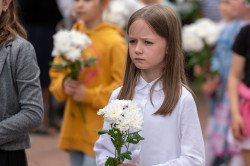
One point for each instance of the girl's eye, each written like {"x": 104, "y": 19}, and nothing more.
{"x": 148, "y": 42}
{"x": 132, "y": 41}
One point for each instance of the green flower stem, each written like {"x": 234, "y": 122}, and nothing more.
{"x": 79, "y": 105}
{"x": 75, "y": 69}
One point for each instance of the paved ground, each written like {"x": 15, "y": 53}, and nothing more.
{"x": 45, "y": 153}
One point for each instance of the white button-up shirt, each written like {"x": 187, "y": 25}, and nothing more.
{"x": 172, "y": 140}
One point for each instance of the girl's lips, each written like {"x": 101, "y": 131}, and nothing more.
{"x": 80, "y": 13}
{"x": 138, "y": 59}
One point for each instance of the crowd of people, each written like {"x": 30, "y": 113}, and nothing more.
{"x": 142, "y": 60}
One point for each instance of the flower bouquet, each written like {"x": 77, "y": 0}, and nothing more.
{"x": 125, "y": 120}
{"x": 198, "y": 40}
{"x": 69, "y": 45}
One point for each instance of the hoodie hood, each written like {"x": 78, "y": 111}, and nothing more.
{"x": 102, "y": 29}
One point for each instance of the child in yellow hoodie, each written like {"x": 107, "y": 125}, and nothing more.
{"x": 93, "y": 87}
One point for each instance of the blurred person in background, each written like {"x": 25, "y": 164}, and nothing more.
{"x": 40, "y": 18}
{"x": 21, "y": 106}
{"x": 108, "y": 45}
{"x": 218, "y": 147}
{"x": 238, "y": 88}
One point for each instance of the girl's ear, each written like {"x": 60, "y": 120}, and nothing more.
{"x": 6, "y": 4}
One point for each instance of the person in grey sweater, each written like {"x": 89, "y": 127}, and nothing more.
{"x": 21, "y": 105}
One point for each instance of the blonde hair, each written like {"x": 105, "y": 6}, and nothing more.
{"x": 164, "y": 21}
{"x": 9, "y": 25}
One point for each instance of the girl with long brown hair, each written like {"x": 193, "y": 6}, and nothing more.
{"x": 21, "y": 105}
{"x": 155, "y": 79}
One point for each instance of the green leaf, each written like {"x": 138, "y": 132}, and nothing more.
{"x": 67, "y": 76}
{"x": 89, "y": 61}
{"x": 115, "y": 133}
{"x": 192, "y": 61}
{"x": 100, "y": 132}
{"x": 134, "y": 138}
{"x": 111, "y": 162}
{"x": 123, "y": 156}
{"x": 57, "y": 66}
{"x": 115, "y": 142}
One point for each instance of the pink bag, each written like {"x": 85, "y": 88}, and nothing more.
{"x": 244, "y": 92}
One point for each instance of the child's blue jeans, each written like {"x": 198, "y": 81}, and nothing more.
{"x": 77, "y": 158}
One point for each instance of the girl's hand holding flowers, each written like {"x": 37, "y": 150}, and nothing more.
{"x": 74, "y": 88}
{"x": 70, "y": 46}
{"x": 79, "y": 93}
{"x": 210, "y": 85}
{"x": 70, "y": 86}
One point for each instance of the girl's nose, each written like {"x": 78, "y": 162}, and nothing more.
{"x": 80, "y": 3}
{"x": 138, "y": 48}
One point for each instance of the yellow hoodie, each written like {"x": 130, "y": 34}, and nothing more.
{"x": 110, "y": 47}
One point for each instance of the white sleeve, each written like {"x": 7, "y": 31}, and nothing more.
{"x": 192, "y": 144}
{"x": 103, "y": 147}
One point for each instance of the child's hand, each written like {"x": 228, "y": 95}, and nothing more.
{"x": 127, "y": 164}
{"x": 198, "y": 70}
{"x": 210, "y": 86}
{"x": 238, "y": 127}
{"x": 79, "y": 93}
{"x": 70, "y": 86}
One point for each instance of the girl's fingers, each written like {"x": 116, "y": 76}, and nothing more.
{"x": 237, "y": 134}
{"x": 238, "y": 131}
{"x": 242, "y": 128}
{"x": 71, "y": 83}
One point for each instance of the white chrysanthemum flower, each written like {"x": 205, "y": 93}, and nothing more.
{"x": 191, "y": 42}
{"x": 124, "y": 113}
{"x": 55, "y": 52}
{"x": 101, "y": 112}
{"x": 61, "y": 47}
{"x": 79, "y": 39}
{"x": 70, "y": 44}
{"x": 62, "y": 35}
{"x": 123, "y": 125}
{"x": 135, "y": 119}
{"x": 213, "y": 36}
{"x": 203, "y": 30}
{"x": 74, "y": 54}
{"x": 113, "y": 113}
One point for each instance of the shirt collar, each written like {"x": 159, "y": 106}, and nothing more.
{"x": 142, "y": 84}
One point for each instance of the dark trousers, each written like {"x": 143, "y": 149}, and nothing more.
{"x": 13, "y": 158}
